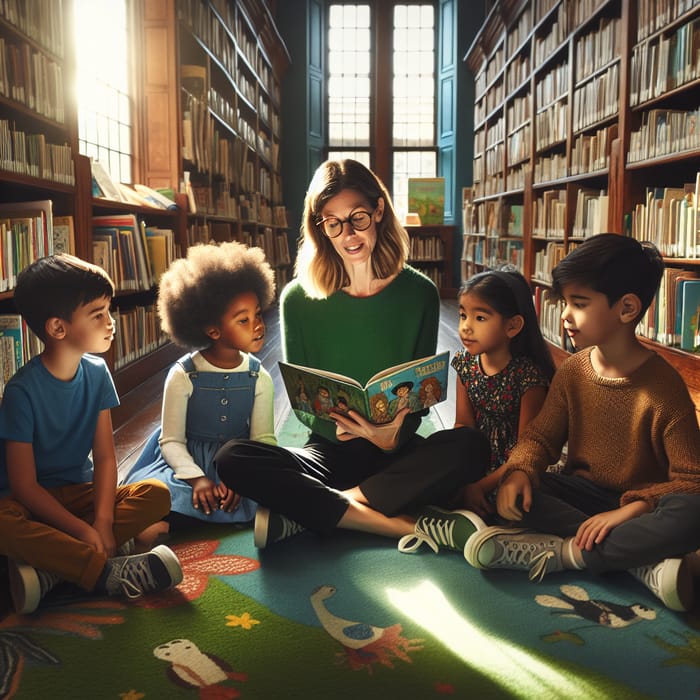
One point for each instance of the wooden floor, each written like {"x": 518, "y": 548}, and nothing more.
{"x": 131, "y": 434}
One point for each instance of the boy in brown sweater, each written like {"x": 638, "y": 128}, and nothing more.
{"x": 629, "y": 497}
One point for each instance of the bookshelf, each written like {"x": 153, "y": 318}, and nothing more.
{"x": 244, "y": 60}
{"x": 585, "y": 121}
{"x": 231, "y": 61}
{"x": 431, "y": 253}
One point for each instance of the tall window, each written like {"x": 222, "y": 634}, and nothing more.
{"x": 104, "y": 107}
{"x": 367, "y": 99}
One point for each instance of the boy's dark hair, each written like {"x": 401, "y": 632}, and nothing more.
{"x": 509, "y": 294}
{"x": 195, "y": 291}
{"x": 613, "y": 265}
{"x": 55, "y": 286}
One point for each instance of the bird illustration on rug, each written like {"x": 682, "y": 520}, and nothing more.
{"x": 192, "y": 668}
{"x": 575, "y": 602}
{"x": 364, "y": 644}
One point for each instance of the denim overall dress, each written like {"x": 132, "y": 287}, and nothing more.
{"x": 218, "y": 410}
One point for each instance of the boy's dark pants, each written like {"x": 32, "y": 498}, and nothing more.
{"x": 563, "y": 502}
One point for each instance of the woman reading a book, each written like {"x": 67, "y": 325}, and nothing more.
{"x": 355, "y": 308}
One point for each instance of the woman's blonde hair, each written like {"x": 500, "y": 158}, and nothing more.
{"x": 319, "y": 268}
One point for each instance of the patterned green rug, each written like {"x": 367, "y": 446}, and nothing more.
{"x": 351, "y": 617}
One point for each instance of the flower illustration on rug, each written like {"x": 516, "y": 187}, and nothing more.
{"x": 245, "y": 621}
{"x": 364, "y": 645}
{"x": 199, "y": 562}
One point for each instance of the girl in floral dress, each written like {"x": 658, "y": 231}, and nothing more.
{"x": 503, "y": 369}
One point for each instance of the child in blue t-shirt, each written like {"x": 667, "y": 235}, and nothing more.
{"x": 62, "y": 516}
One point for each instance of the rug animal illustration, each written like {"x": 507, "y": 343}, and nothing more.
{"x": 575, "y": 602}
{"x": 192, "y": 668}
{"x": 364, "y": 644}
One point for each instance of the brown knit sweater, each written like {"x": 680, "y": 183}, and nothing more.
{"x": 637, "y": 435}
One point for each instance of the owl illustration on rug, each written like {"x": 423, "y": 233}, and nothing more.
{"x": 192, "y": 668}
{"x": 364, "y": 644}
{"x": 574, "y": 602}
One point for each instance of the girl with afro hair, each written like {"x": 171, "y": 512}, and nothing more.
{"x": 211, "y": 303}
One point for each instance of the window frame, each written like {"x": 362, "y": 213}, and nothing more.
{"x": 381, "y": 149}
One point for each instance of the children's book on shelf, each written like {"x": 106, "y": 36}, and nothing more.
{"x": 690, "y": 315}
{"x": 63, "y": 235}
{"x": 515, "y": 220}
{"x": 417, "y": 384}
{"x": 426, "y": 197}
{"x": 108, "y": 188}
{"x": 11, "y": 347}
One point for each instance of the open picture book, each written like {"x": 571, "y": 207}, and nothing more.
{"x": 418, "y": 384}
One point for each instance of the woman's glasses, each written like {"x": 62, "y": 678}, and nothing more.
{"x": 332, "y": 226}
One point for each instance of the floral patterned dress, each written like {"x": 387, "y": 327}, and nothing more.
{"x": 496, "y": 398}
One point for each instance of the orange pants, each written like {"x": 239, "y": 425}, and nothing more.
{"x": 136, "y": 506}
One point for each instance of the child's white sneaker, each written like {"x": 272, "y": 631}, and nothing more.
{"x": 515, "y": 548}
{"x": 28, "y": 586}
{"x": 670, "y": 580}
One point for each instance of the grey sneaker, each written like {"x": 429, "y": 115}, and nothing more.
{"x": 28, "y": 586}
{"x": 515, "y": 548}
{"x": 449, "y": 529}
{"x": 137, "y": 574}
{"x": 670, "y": 580}
{"x": 272, "y": 527}
{"x": 126, "y": 548}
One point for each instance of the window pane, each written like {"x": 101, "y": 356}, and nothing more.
{"x": 102, "y": 84}
{"x": 414, "y": 76}
{"x": 350, "y": 78}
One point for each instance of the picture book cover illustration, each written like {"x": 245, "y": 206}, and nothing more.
{"x": 417, "y": 384}
{"x": 426, "y": 197}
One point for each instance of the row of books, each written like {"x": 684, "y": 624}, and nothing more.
{"x": 31, "y": 154}
{"x": 274, "y": 243}
{"x": 591, "y": 215}
{"x": 549, "y": 214}
{"x": 669, "y": 218}
{"x": 664, "y": 132}
{"x": 597, "y": 99}
{"x": 674, "y": 315}
{"x": 549, "y": 168}
{"x": 138, "y": 333}
{"x": 17, "y": 346}
{"x": 426, "y": 248}
{"x": 133, "y": 254}
{"x": 28, "y": 76}
{"x": 595, "y": 49}
{"x": 28, "y": 231}
{"x": 40, "y": 20}
{"x": 653, "y": 15}
{"x": 665, "y": 63}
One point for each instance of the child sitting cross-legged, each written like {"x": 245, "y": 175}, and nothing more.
{"x": 629, "y": 497}
{"x": 62, "y": 516}
{"x": 210, "y": 302}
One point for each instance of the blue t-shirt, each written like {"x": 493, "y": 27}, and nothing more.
{"x": 59, "y": 419}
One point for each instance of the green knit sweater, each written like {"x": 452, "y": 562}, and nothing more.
{"x": 360, "y": 336}
{"x": 637, "y": 435}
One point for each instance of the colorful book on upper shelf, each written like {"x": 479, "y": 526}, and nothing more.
{"x": 426, "y": 197}
{"x": 417, "y": 384}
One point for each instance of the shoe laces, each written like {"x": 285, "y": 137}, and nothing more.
{"x": 47, "y": 581}
{"x": 289, "y": 527}
{"x": 435, "y": 532}
{"x": 539, "y": 565}
{"x": 411, "y": 543}
{"x": 135, "y": 577}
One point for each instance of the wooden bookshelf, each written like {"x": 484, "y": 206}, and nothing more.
{"x": 580, "y": 107}
{"x": 230, "y": 64}
{"x": 244, "y": 59}
{"x": 431, "y": 253}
